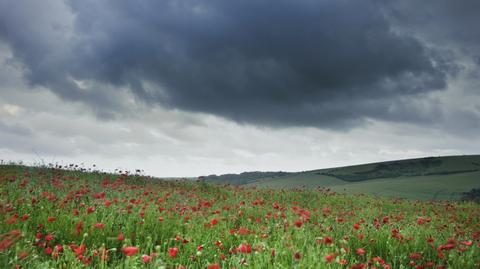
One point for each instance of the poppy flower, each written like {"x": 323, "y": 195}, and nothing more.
{"x": 297, "y": 255}
{"x": 244, "y": 248}
{"x": 415, "y": 256}
{"x": 120, "y": 237}
{"x": 172, "y": 252}
{"x": 99, "y": 225}
{"x": 146, "y": 258}
{"x": 130, "y": 251}
{"x": 328, "y": 240}
{"x": 80, "y": 249}
{"x": 49, "y": 237}
{"x": 48, "y": 251}
{"x": 360, "y": 251}
{"x": 59, "y": 248}
{"x": 329, "y": 258}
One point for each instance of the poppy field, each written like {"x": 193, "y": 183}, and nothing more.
{"x": 53, "y": 218}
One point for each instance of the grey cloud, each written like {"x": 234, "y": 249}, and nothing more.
{"x": 444, "y": 23}
{"x": 328, "y": 64}
{"x": 15, "y": 129}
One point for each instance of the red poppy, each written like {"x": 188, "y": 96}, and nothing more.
{"x": 80, "y": 249}
{"x": 329, "y": 258}
{"x": 146, "y": 258}
{"x": 415, "y": 256}
{"x": 297, "y": 255}
{"x": 130, "y": 251}
{"x": 48, "y": 251}
{"x": 360, "y": 251}
{"x": 172, "y": 252}
{"x": 99, "y": 225}
{"x": 244, "y": 248}
{"x": 121, "y": 237}
{"x": 49, "y": 237}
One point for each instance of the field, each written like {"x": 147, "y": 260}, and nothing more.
{"x": 52, "y": 218}
{"x": 434, "y": 178}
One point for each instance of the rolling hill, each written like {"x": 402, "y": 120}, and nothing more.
{"x": 431, "y": 178}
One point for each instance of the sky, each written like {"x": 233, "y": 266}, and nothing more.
{"x": 190, "y": 88}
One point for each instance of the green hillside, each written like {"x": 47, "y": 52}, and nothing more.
{"x": 436, "y": 178}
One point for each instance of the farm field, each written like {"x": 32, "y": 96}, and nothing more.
{"x": 52, "y": 218}
{"x": 433, "y": 178}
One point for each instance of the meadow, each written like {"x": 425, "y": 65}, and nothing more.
{"x": 54, "y": 218}
{"x": 432, "y": 178}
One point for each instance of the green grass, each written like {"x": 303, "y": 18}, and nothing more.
{"x": 299, "y": 180}
{"x": 211, "y": 225}
{"x": 435, "y": 187}
{"x": 439, "y": 178}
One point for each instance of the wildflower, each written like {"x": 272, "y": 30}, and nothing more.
{"x": 121, "y": 237}
{"x": 415, "y": 256}
{"x": 48, "y": 251}
{"x": 328, "y": 240}
{"x": 130, "y": 251}
{"x": 360, "y": 251}
{"x": 99, "y": 225}
{"x": 329, "y": 258}
{"x": 172, "y": 252}
{"x": 297, "y": 255}
{"x": 49, "y": 237}
{"x": 146, "y": 258}
{"x": 244, "y": 248}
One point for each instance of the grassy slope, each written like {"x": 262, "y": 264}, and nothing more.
{"x": 436, "y": 178}
{"x": 433, "y": 187}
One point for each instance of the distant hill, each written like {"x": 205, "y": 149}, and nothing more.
{"x": 423, "y": 178}
{"x": 243, "y": 178}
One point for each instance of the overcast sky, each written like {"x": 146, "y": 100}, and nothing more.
{"x": 189, "y": 88}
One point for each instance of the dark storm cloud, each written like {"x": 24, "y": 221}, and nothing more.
{"x": 451, "y": 24}
{"x": 305, "y": 63}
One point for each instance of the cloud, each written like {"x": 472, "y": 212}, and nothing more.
{"x": 328, "y": 64}
{"x": 166, "y": 142}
